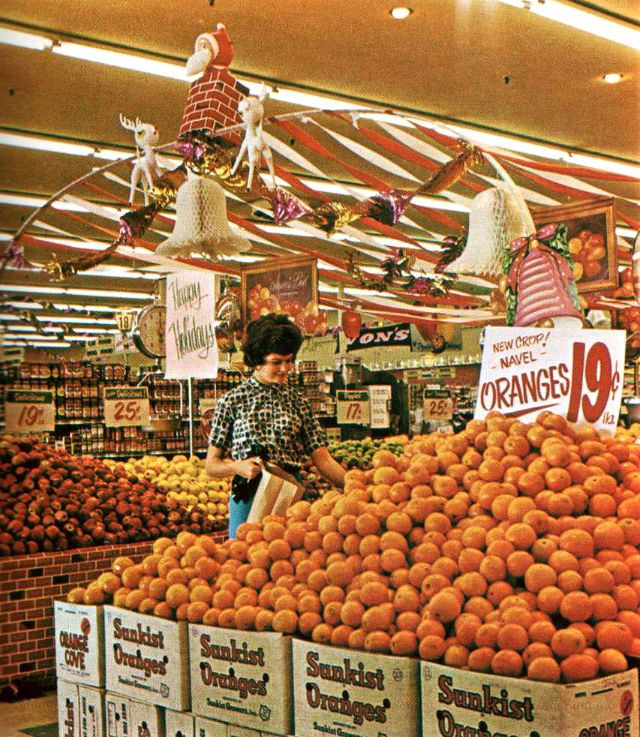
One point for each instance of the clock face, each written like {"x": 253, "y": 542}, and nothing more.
{"x": 149, "y": 334}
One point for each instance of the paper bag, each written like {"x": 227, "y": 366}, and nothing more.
{"x": 274, "y": 495}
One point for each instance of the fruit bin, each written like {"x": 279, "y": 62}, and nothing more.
{"x": 28, "y": 586}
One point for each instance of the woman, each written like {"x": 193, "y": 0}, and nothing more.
{"x": 264, "y": 419}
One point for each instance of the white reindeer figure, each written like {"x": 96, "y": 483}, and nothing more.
{"x": 253, "y": 145}
{"x": 146, "y": 166}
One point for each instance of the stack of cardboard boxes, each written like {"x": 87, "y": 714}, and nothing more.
{"x": 124, "y": 674}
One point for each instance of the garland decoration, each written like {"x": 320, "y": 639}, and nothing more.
{"x": 14, "y": 256}
{"x": 453, "y": 170}
{"x": 397, "y": 274}
{"x": 453, "y": 248}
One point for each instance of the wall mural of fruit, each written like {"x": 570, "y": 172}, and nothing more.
{"x": 52, "y": 500}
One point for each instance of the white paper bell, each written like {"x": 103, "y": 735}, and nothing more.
{"x": 201, "y": 223}
{"x": 498, "y": 216}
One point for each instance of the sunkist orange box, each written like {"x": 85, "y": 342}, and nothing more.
{"x": 461, "y": 702}
{"x": 354, "y": 694}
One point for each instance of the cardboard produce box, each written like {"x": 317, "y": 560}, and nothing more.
{"x": 116, "y": 709}
{"x": 146, "y": 658}
{"x": 234, "y": 731}
{"x": 79, "y": 643}
{"x": 210, "y": 728}
{"x": 179, "y": 723}
{"x": 68, "y": 709}
{"x": 92, "y": 722}
{"x": 457, "y": 702}
{"x": 147, "y": 720}
{"x": 355, "y": 694}
{"x": 243, "y": 678}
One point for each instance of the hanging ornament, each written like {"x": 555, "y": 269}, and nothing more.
{"x": 351, "y": 323}
{"x": 540, "y": 283}
{"x": 635, "y": 266}
{"x": 498, "y": 216}
{"x": 166, "y": 187}
{"x": 426, "y": 329}
{"x": 229, "y": 321}
{"x": 453, "y": 170}
{"x": 331, "y": 216}
{"x": 201, "y": 223}
{"x": 286, "y": 207}
{"x": 388, "y": 207}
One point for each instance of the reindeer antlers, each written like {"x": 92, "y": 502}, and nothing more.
{"x": 129, "y": 124}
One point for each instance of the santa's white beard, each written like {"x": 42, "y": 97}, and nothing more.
{"x": 198, "y": 62}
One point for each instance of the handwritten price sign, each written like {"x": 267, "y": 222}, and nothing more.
{"x": 29, "y": 411}
{"x": 352, "y": 407}
{"x": 126, "y": 406}
{"x": 574, "y": 373}
{"x": 437, "y": 405}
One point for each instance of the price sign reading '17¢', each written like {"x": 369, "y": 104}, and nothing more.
{"x": 126, "y": 406}
{"x": 352, "y": 407}
{"x": 27, "y": 411}
{"x": 574, "y": 373}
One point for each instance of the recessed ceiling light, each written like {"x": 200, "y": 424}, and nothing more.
{"x": 400, "y": 12}
{"x": 612, "y": 77}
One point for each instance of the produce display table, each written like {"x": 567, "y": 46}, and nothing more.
{"x": 28, "y": 586}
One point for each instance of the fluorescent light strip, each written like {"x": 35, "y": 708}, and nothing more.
{"x": 59, "y": 306}
{"x": 74, "y": 292}
{"x": 75, "y": 320}
{"x": 24, "y": 40}
{"x": 121, "y": 59}
{"x": 48, "y": 329}
{"x": 38, "y": 344}
{"x": 583, "y": 20}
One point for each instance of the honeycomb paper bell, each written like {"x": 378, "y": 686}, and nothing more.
{"x": 498, "y": 216}
{"x": 201, "y": 223}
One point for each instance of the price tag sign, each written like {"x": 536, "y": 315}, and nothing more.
{"x": 379, "y": 405}
{"x": 437, "y": 405}
{"x": 574, "y": 373}
{"x": 126, "y": 406}
{"x": 28, "y": 411}
{"x": 352, "y": 407}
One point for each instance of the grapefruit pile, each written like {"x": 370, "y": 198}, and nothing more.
{"x": 508, "y": 548}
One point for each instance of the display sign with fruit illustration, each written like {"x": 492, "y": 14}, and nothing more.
{"x": 590, "y": 226}
{"x": 284, "y": 286}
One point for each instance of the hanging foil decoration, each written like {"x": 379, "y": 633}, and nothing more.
{"x": 331, "y": 216}
{"x": 286, "y": 207}
{"x": 453, "y": 170}
{"x": 204, "y": 159}
{"x": 134, "y": 223}
{"x": 166, "y": 187}
{"x": 388, "y": 207}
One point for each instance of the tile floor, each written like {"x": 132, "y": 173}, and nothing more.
{"x": 28, "y": 713}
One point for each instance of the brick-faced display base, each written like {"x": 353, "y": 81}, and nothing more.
{"x": 28, "y": 586}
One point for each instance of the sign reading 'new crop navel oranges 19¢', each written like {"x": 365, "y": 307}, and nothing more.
{"x": 574, "y": 373}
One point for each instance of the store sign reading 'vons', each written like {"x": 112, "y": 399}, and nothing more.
{"x": 379, "y": 337}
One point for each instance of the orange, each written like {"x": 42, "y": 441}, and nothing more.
{"x": 444, "y": 606}
{"x": 285, "y": 621}
{"x": 539, "y": 575}
{"x": 576, "y": 606}
{"x": 568, "y": 641}
{"x": 177, "y": 594}
{"x": 616, "y": 635}
{"x": 579, "y": 667}
{"x": 543, "y": 669}
{"x": 432, "y": 647}
{"x": 507, "y": 663}
{"x": 611, "y": 660}
{"x": 404, "y": 642}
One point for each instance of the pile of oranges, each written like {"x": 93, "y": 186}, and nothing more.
{"x": 508, "y": 548}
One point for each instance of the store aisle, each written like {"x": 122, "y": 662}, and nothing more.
{"x": 32, "y": 715}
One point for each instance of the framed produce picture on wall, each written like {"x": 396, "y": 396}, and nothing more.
{"x": 286, "y": 286}
{"x": 592, "y": 243}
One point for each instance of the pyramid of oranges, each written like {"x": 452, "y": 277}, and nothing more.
{"x": 508, "y": 548}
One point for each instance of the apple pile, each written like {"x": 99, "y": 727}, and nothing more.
{"x": 185, "y": 481}
{"x": 308, "y": 318}
{"x": 52, "y": 500}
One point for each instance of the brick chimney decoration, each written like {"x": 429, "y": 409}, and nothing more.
{"x": 213, "y": 98}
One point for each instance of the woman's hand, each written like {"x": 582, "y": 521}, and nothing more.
{"x": 329, "y": 468}
{"x": 249, "y": 468}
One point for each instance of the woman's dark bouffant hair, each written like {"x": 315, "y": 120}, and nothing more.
{"x": 270, "y": 334}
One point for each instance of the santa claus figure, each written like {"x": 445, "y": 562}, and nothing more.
{"x": 214, "y": 96}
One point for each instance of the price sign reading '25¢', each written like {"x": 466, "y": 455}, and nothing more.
{"x": 126, "y": 406}
{"x": 574, "y": 373}
{"x": 29, "y": 411}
